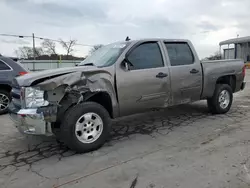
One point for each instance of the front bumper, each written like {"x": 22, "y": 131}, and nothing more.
{"x": 28, "y": 121}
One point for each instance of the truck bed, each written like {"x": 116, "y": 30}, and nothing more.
{"x": 213, "y": 70}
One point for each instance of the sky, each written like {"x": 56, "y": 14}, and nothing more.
{"x": 204, "y": 22}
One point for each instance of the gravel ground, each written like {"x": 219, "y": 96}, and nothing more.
{"x": 184, "y": 146}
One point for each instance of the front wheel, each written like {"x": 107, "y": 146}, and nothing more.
{"x": 85, "y": 127}
{"x": 222, "y": 99}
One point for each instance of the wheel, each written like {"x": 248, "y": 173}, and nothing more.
{"x": 222, "y": 99}
{"x": 85, "y": 127}
{"x": 4, "y": 101}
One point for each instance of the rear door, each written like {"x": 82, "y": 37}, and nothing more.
{"x": 186, "y": 72}
{"x": 146, "y": 84}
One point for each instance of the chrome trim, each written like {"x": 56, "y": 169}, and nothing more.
{"x": 28, "y": 121}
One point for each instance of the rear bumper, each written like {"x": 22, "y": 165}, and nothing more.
{"x": 28, "y": 121}
{"x": 243, "y": 85}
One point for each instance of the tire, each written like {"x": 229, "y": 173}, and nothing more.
{"x": 214, "y": 104}
{"x": 3, "y": 100}
{"x": 56, "y": 132}
{"x": 84, "y": 113}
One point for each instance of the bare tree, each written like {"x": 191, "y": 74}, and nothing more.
{"x": 95, "y": 47}
{"x": 17, "y": 52}
{"x": 24, "y": 52}
{"x": 27, "y": 52}
{"x": 68, "y": 46}
{"x": 215, "y": 56}
{"x": 49, "y": 46}
{"x": 39, "y": 51}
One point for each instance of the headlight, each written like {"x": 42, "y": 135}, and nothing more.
{"x": 34, "y": 98}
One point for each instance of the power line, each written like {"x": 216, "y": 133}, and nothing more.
{"x": 9, "y": 35}
{"x": 33, "y": 39}
{"x": 41, "y": 38}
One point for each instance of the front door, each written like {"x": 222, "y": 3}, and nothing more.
{"x": 186, "y": 73}
{"x": 145, "y": 85}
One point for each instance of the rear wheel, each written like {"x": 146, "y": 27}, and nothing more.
{"x": 85, "y": 127}
{"x": 222, "y": 99}
{"x": 4, "y": 101}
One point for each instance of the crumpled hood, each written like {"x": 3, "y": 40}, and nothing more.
{"x": 75, "y": 81}
{"x": 30, "y": 78}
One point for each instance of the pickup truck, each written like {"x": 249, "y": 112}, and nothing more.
{"x": 77, "y": 104}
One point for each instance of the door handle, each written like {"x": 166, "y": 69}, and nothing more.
{"x": 161, "y": 75}
{"x": 194, "y": 71}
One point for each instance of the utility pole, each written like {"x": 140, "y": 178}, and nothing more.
{"x": 34, "y": 46}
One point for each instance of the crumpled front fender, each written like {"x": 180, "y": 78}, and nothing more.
{"x": 75, "y": 85}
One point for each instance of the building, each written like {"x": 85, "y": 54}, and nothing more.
{"x": 237, "y": 48}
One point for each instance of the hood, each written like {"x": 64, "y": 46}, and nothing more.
{"x": 30, "y": 78}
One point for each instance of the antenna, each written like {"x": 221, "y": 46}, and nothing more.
{"x": 127, "y": 38}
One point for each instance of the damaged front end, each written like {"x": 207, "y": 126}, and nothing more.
{"x": 45, "y": 102}
{"x": 30, "y": 112}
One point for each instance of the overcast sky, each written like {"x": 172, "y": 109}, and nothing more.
{"x": 204, "y": 22}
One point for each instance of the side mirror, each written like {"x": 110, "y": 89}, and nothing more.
{"x": 127, "y": 64}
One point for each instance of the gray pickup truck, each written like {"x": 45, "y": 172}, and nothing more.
{"x": 77, "y": 104}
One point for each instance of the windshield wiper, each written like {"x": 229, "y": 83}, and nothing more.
{"x": 88, "y": 64}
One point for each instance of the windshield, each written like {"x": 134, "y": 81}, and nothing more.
{"x": 106, "y": 55}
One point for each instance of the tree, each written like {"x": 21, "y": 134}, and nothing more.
{"x": 68, "y": 46}
{"x": 215, "y": 56}
{"x": 24, "y": 52}
{"x": 38, "y": 51}
{"x": 49, "y": 46}
{"x": 28, "y": 53}
{"x": 95, "y": 47}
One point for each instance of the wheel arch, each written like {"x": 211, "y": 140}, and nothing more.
{"x": 71, "y": 99}
{"x": 229, "y": 80}
{"x": 210, "y": 83}
{"x": 102, "y": 98}
{"x": 5, "y": 87}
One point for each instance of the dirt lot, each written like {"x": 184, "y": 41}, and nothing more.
{"x": 183, "y": 147}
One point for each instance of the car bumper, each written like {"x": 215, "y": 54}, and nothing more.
{"x": 243, "y": 85}
{"x": 28, "y": 121}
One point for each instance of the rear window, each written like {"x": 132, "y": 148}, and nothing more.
{"x": 3, "y": 66}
